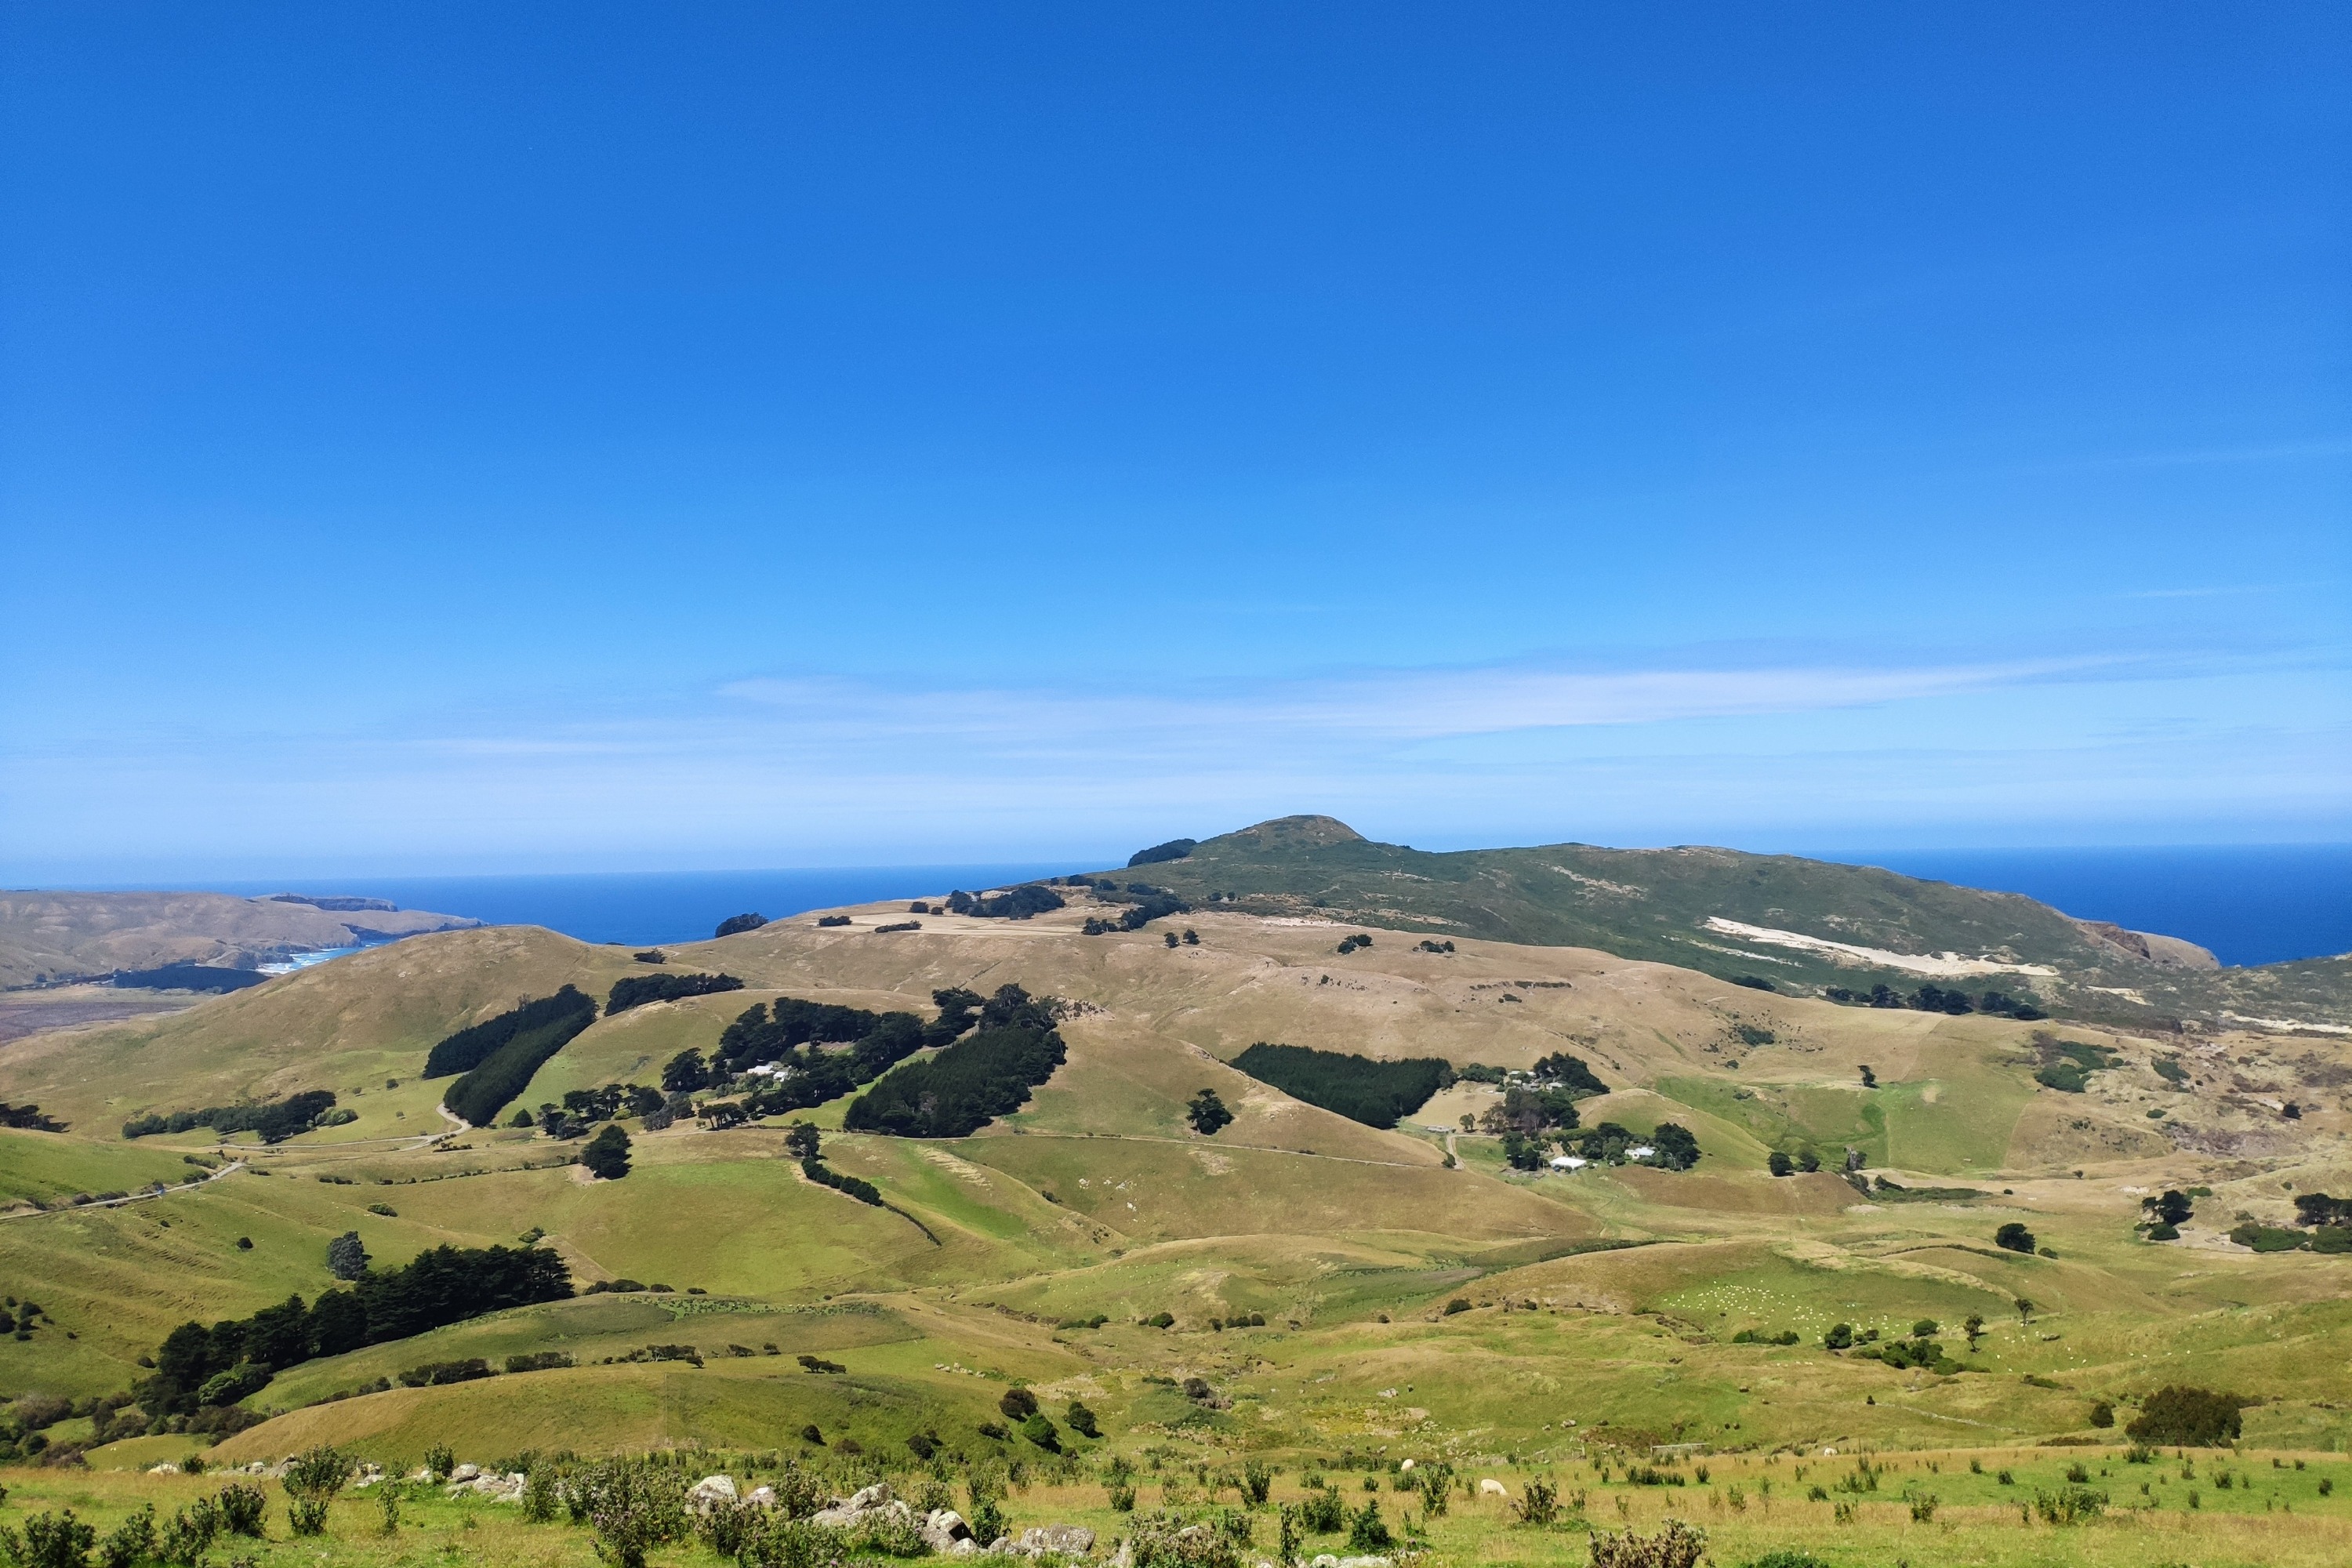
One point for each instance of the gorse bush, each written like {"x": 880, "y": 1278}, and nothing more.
{"x": 1164, "y": 1540}
{"x": 133, "y": 1543}
{"x": 1678, "y": 1545}
{"x": 312, "y": 1480}
{"x": 49, "y": 1541}
{"x": 634, "y": 1505}
{"x": 1322, "y": 1513}
{"x": 1367, "y": 1530}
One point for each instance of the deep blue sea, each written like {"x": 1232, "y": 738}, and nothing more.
{"x": 2257, "y": 904}
{"x": 2250, "y": 905}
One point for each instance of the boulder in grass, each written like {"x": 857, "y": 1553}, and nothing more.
{"x": 943, "y": 1528}
{"x": 711, "y": 1492}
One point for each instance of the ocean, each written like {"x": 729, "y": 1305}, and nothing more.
{"x": 2250, "y": 904}
{"x": 2262, "y": 904}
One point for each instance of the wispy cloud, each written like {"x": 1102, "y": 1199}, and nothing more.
{"x": 1391, "y": 706}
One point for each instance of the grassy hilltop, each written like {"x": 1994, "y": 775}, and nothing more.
{"x": 1682, "y": 906}
{"x": 1342, "y": 1291}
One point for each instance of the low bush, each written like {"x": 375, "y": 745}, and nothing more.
{"x": 1678, "y": 1545}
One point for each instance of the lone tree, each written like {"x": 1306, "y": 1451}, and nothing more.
{"x": 1206, "y": 1112}
{"x": 346, "y": 1258}
{"x": 801, "y": 1141}
{"x": 1780, "y": 1164}
{"x": 1974, "y": 1329}
{"x": 2186, "y": 1417}
{"x": 2013, "y": 1237}
{"x": 607, "y": 1154}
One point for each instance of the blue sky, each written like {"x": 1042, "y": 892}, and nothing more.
{"x": 450, "y": 438}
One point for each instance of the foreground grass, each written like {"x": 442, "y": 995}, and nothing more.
{"x": 2270, "y": 1515}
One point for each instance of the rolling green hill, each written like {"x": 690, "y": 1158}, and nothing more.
{"x": 1307, "y": 1268}
{"x": 1804, "y": 925}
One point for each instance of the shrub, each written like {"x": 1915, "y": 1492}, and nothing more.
{"x": 1786, "y": 1557}
{"x": 1162, "y": 1540}
{"x": 776, "y": 1540}
{"x": 51, "y": 1541}
{"x": 1322, "y": 1513}
{"x": 2186, "y": 1417}
{"x": 189, "y": 1533}
{"x": 1675, "y": 1546}
{"x": 1780, "y": 1164}
{"x": 1367, "y": 1530}
{"x": 2013, "y": 1237}
{"x": 133, "y": 1543}
{"x": 1456, "y": 1305}
{"x": 240, "y": 1509}
{"x": 1174, "y": 849}
{"x": 2070, "y": 1505}
{"x": 311, "y": 1481}
{"x": 634, "y": 1506}
{"x": 1538, "y": 1503}
{"x": 1257, "y": 1481}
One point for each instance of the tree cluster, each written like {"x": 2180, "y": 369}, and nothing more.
{"x": 198, "y": 1365}
{"x": 1174, "y": 849}
{"x": 788, "y": 1035}
{"x": 274, "y": 1121}
{"x": 188, "y": 977}
{"x": 825, "y": 1175}
{"x": 28, "y": 1118}
{"x": 736, "y": 925}
{"x": 984, "y": 1075}
{"x": 1014, "y": 904}
{"x": 1376, "y": 1093}
{"x": 636, "y": 990}
{"x": 470, "y": 1048}
{"x": 477, "y": 1097}
{"x": 1934, "y": 999}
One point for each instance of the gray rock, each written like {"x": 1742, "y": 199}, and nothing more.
{"x": 761, "y": 1496}
{"x": 466, "y": 1473}
{"x": 943, "y": 1528}
{"x": 709, "y": 1492}
{"x": 1061, "y": 1540}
